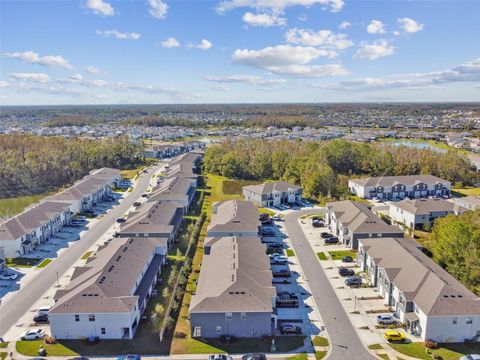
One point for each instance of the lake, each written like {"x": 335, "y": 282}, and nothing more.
{"x": 13, "y": 206}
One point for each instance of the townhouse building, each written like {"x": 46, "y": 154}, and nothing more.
{"x": 185, "y": 166}
{"x": 431, "y": 302}
{"x": 272, "y": 193}
{"x": 154, "y": 219}
{"x": 234, "y": 218}
{"x": 399, "y": 187}
{"x": 416, "y": 214}
{"x": 351, "y": 221}
{"x": 468, "y": 202}
{"x": 108, "y": 295}
{"x": 33, "y": 227}
{"x": 177, "y": 190}
{"x": 234, "y": 295}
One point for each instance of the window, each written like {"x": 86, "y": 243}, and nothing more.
{"x": 243, "y": 316}
{"x": 218, "y": 330}
{"x": 228, "y": 316}
{"x": 103, "y": 331}
{"x": 469, "y": 321}
{"x": 77, "y": 318}
{"x": 454, "y": 321}
{"x": 197, "y": 331}
{"x": 91, "y": 317}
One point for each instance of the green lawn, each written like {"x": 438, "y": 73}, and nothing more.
{"x": 22, "y": 262}
{"x": 266, "y": 211}
{"x": 30, "y": 348}
{"x": 446, "y": 351}
{"x": 4, "y": 345}
{"x": 321, "y": 255}
{"x": 358, "y": 199}
{"x": 3, "y": 355}
{"x": 301, "y": 356}
{"x": 86, "y": 255}
{"x": 234, "y": 187}
{"x": 470, "y": 191}
{"x": 320, "y": 341}
{"x": 338, "y": 255}
{"x": 319, "y": 355}
{"x": 375, "y": 347}
{"x": 319, "y": 215}
{"x": 15, "y": 205}
{"x": 290, "y": 252}
{"x": 44, "y": 263}
{"x": 383, "y": 356}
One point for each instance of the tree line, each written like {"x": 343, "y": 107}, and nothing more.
{"x": 323, "y": 168}
{"x": 32, "y": 164}
{"x": 455, "y": 245}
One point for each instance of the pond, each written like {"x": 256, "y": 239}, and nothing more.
{"x": 418, "y": 145}
{"x": 13, "y": 206}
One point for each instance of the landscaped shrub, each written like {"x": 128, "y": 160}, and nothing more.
{"x": 430, "y": 344}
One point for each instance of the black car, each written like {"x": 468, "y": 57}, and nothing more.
{"x": 325, "y": 235}
{"x": 317, "y": 223}
{"x": 254, "y": 357}
{"x": 281, "y": 273}
{"x": 343, "y": 271}
{"x": 267, "y": 232}
{"x": 330, "y": 240}
{"x": 41, "y": 319}
{"x": 286, "y": 301}
{"x": 268, "y": 222}
{"x": 121, "y": 220}
{"x": 275, "y": 246}
{"x": 263, "y": 217}
{"x": 353, "y": 281}
{"x": 347, "y": 259}
{"x": 290, "y": 329}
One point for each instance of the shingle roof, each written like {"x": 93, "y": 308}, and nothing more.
{"x": 359, "y": 218}
{"x": 235, "y": 277}
{"x": 30, "y": 219}
{"x": 106, "y": 282}
{"x": 173, "y": 188}
{"x": 151, "y": 217}
{"x": 234, "y": 216}
{"x": 269, "y": 187}
{"x": 420, "y": 279}
{"x": 393, "y": 180}
{"x": 424, "y": 206}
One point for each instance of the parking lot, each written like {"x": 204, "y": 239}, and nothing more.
{"x": 363, "y": 303}
{"x": 295, "y": 304}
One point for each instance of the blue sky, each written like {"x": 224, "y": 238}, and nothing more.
{"x": 236, "y": 51}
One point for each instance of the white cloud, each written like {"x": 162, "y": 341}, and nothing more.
{"x": 33, "y": 58}
{"x": 248, "y": 79}
{"x": 118, "y": 35}
{"x": 93, "y": 70}
{"x": 76, "y": 77}
{"x": 289, "y": 60}
{"x": 322, "y": 38}
{"x": 222, "y": 88}
{"x": 158, "y": 8}
{"x": 170, "y": 43}
{"x": 344, "y": 25}
{"x": 409, "y": 25}
{"x": 100, "y": 7}
{"x": 204, "y": 45}
{"x": 4, "y": 84}
{"x": 376, "y": 27}
{"x": 467, "y": 72}
{"x": 375, "y": 50}
{"x": 264, "y": 19}
{"x": 278, "y": 6}
{"x": 35, "y": 77}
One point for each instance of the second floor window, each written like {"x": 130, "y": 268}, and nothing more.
{"x": 91, "y": 317}
{"x": 77, "y": 318}
{"x": 228, "y": 316}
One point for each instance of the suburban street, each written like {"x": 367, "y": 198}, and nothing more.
{"x": 25, "y": 298}
{"x": 345, "y": 343}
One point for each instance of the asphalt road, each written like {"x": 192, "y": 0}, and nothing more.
{"x": 26, "y": 297}
{"x": 344, "y": 340}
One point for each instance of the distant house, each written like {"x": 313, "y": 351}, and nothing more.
{"x": 400, "y": 187}
{"x": 351, "y": 221}
{"x": 33, "y": 227}
{"x": 234, "y": 218}
{"x": 234, "y": 295}
{"x": 468, "y": 202}
{"x": 272, "y": 193}
{"x": 174, "y": 189}
{"x": 431, "y": 302}
{"x": 108, "y": 295}
{"x": 185, "y": 166}
{"x": 154, "y": 219}
{"x": 416, "y": 214}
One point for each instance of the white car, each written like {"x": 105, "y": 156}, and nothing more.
{"x": 8, "y": 276}
{"x": 470, "y": 357}
{"x": 33, "y": 334}
{"x": 386, "y": 319}
{"x": 220, "y": 357}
